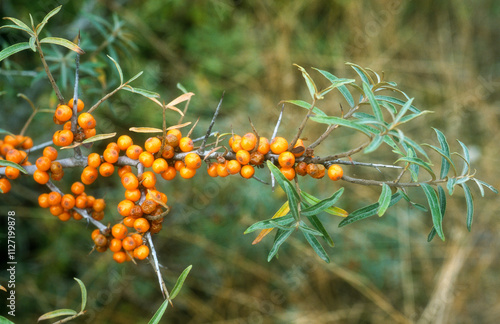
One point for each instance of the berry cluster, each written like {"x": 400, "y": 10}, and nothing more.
{"x": 85, "y": 128}
{"x": 12, "y": 148}
{"x": 123, "y": 244}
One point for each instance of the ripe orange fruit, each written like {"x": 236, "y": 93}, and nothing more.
{"x": 160, "y": 165}
{"x": 279, "y": 145}
{"x": 247, "y": 171}
{"x": 77, "y": 188}
{"x": 248, "y": 141}
{"x": 133, "y": 151}
{"x": 110, "y": 155}
{"x": 124, "y": 142}
{"x": 222, "y": 169}
{"x": 119, "y": 231}
{"x": 50, "y": 152}
{"x": 133, "y": 195}
{"x": 243, "y": 157}
{"x": 94, "y": 160}
{"x": 43, "y": 163}
{"x": 141, "y": 252}
{"x": 236, "y": 145}
{"x": 99, "y": 205}
{"x": 63, "y": 113}
{"x": 141, "y": 225}
{"x": 125, "y": 207}
{"x": 152, "y": 144}
{"x": 233, "y": 138}
{"x": 14, "y": 155}
{"x": 175, "y": 132}
{"x": 186, "y": 144}
{"x": 148, "y": 179}
{"x": 128, "y": 243}
{"x": 123, "y": 170}
{"x": 212, "y": 170}
{"x": 41, "y": 177}
{"x": 43, "y": 200}
{"x": 187, "y": 173}
{"x": 192, "y": 161}
{"x": 146, "y": 159}
{"x": 68, "y": 201}
{"x": 86, "y": 121}
{"x": 11, "y": 173}
{"x": 115, "y": 245}
{"x": 79, "y": 104}
{"x": 264, "y": 145}
{"x": 169, "y": 174}
{"x": 130, "y": 181}
{"x": 5, "y": 185}
{"x": 289, "y": 173}
{"x": 233, "y": 166}
{"x": 335, "y": 172}
{"x": 54, "y": 198}
{"x": 106, "y": 169}
{"x": 120, "y": 256}
{"x": 286, "y": 160}
{"x": 89, "y": 175}
{"x": 81, "y": 201}
{"x": 89, "y": 132}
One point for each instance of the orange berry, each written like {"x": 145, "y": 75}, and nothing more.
{"x": 89, "y": 175}
{"x": 50, "y": 152}
{"x": 301, "y": 168}
{"x": 169, "y": 174}
{"x": 236, "y": 145}
{"x": 286, "y": 159}
{"x": 77, "y": 188}
{"x": 233, "y": 167}
{"x": 137, "y": 239}
{"x": 222, "y": 169}
{"x": 81, "y": 202}
{"x": 152, "y": 144}
{"x": 298, "y": 148}
{"x": 106, "y": 169}
{"x": 141, "y": 225}
{"x": 41, "y": 177}
{"x": 148, "y": 179}
{"x": 212, "y": 170}
{"x": 128, "y": 243}
{"x": 11, "y": 172}
{"x": 68, "y": 201}
{"x": 6, "y": 147}
{"x": 27, "y": 143}
{"x": 279, "y": 145}
{"x": 124, "y": 142}
{"x": 316, "y": 171}
{"x": 264, "y": 145}
{"x": 133, "y": 151}
{"x": 99, "y": 205}
{"x": 43, "y": 200}
{"x": 54, "y": 198}
{"x": 148, "y": 206}
{"x": 63, "y": 113}
{"x": 120, "y": 256}
{"x": 119, "y": 231}
{"x": 192, "y": 160}
{"x": 187, "y": 173}
{"x": 115, "y": 245}
{"x": 56, "y": 167}
{"x": 243, "y": 157}
{"x": 141, "y": 252}
{"x": 335, "y": 172}
{"x": 110, "y": 155}
{"x": 168, "y": 151}
{"x": 124, "y": 169}
{"x": 95, "y": 233}
{"x": 257, "y": 158}
{"x": 133, "y": 195}
{"x": 76, "y": 215}
{"x": 5, "y": 185}
{"x": 289, "y": 173}
{"x": 56, "y": 210}
{"x": 79, "y": 104}
{"x": 136, "y": 212}
{"x": 94, "y": 160}
{"x": 12, "y": 140}
{"x": 178, "y": 165}
{"x": 63, "y": 137}
{"x": 233, "y": 138}
{"x": 86, "y": 121}
{"x": 130, "y": 181}
{"x": 113, "y": 146}
{"x": 64, "y": 216}
{"x": 186, "y": 144}
{"x": 43, "y": 163}
{"x": 89, "y": 132}
{"x": 146, "y": 159}
{"x": 67, "y": 125}
{"x": 176, "y": 133}
{"x": 14, "y": 155}
{"x": 129, "y": 220}
{"x": 172, "y": 140}
{"x": 247, "y": 171}
{"x": 125, "y": 207}
{"x": 248, "y": 141}
{"x": 160, "y": 165}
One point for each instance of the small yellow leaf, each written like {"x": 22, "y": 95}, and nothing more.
{"x": 179, "y": 126}
{"x": 145, "y": 130}
{"x": 280, "y": 213}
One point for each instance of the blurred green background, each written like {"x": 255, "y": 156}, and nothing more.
{"x": 445, "y": 54}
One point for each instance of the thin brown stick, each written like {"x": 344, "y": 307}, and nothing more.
{"x": 49, "y": 74}
{"x": 302, "y": 125}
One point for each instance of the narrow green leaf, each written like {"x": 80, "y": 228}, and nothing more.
{"x": 293, "y": 202}
{"x": 419, "y": 162}
{"x": 310, "y": 199}
{"x": 57, "y": 313}
{"x": 309, "y": 81}
{"x": 403, "y": 111}
{"x": 303, "y": 227}
{"x": 4, "y": 320}
{"x": 368, "y": 211}
{"x": 417, "y": 147}
{"x": 317, "y": 247}
{"x": 331, "y": 120}
{"x": 12, "y": 164}
{"x": 470, "y": 205}
{"x": 118, "y": 68}
{"x": 180, "y": 282}
{"x": 397, "y": 101}
{"x": 323, "y": 204}
{"x": 32, "y": 43}
{"x": 279, "y": 239}
{"x": 384, "y": 200}
{"x": 319, "y": 226}
{"x": 142, "y": 92}
{"x": 442, "y": 206}
{"x": 466, "y": 157}
{"x": 18, "y": 28}
{"x": 270, "y": 223}
{"x": 19, "y": 23}
{"x": 182, "y": 88}
{"x": 343, "y": 89}
{"x": 281, "y": 179}
{"x": 305, "y": 105}
{"x": 335, "y": 84}
{"x": 445, "y": 163}
{"x": 481, "y": 183}
{"x": 450, "y": 185}
{"x": 4, "y": 131}
{"x": 13, "y": 49}
{"x": 135, "y": 77}
{"x": 373, "y": 102}
{"x": 99, "y": 137}
{"x": 62, "y": 42}
{"x": 365, "y": 77}
{"x": 46, "y": 19}
{"x": 84, "y": 293}
{"x": 432, "y": 199}
{"x": 407, "y": 118}
{"x": 159, "y": 313}
{"x": 374, "y": 144}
